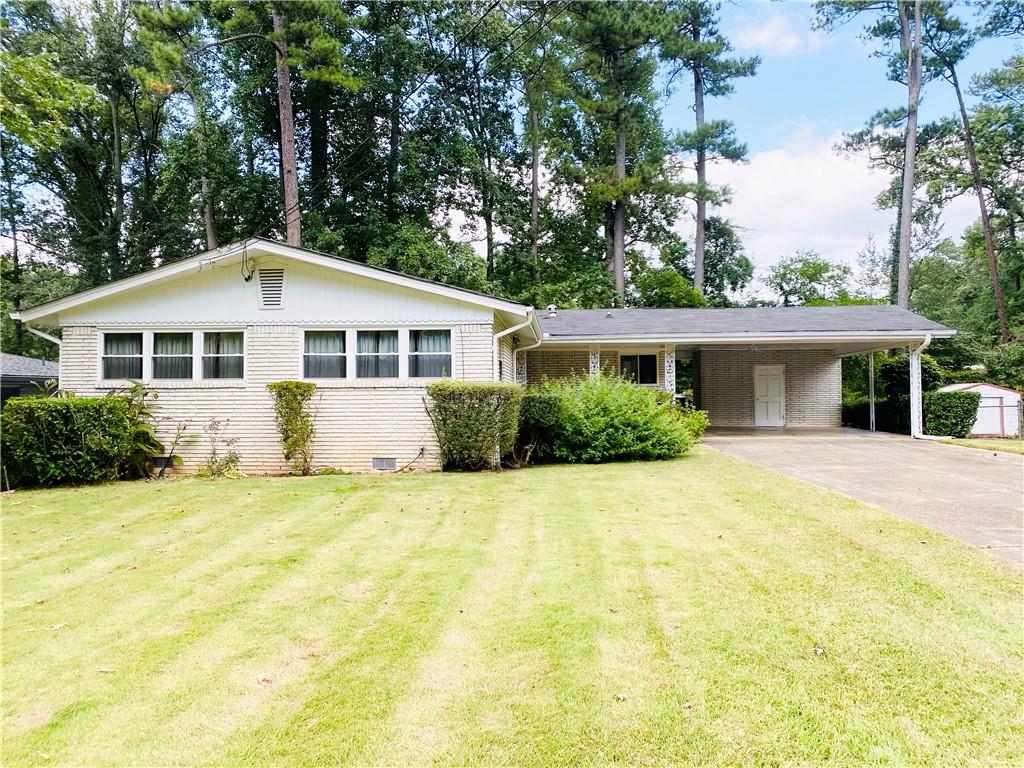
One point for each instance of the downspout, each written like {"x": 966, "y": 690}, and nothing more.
{"x": 498, "y": 336}
{"x": 916, "y": 405}
{"x": 871, "y": 390}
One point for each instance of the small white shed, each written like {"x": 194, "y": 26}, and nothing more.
{"x": 998, "y": 411}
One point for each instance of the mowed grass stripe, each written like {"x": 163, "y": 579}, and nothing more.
{"x": 633, "y": 613}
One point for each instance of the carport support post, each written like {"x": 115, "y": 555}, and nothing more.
{"x": 871, "y": 391}
{"x": 670, "y": 369}
{"x": 595, "y": 361}
{"x": 916, "y": 407}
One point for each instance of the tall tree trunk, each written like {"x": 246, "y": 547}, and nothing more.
{"x": 910, "y": 41}
{"x": 534, "y": 127}
{"x": 619, "y": 221}
{"x": 204, "y": 179}
{"x": 702, "y": 177}
{"x": 14, "y": 279}
{"x": 986, "y": 225}
{"x": 289, "y": 172}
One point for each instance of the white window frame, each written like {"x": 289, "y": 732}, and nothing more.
{"x": 640, "y": 353}
{"x": 153, "y": 355}
{"x": 147, "y": 355}
{"x": 347, "y": 355}
{"x": 402, "y": 354}
{"x": 451, "y": 352}
{"x": 103, "y": 356}
{"x": 203, "y": 355}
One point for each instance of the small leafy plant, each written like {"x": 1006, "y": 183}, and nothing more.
{"x": 222, "y": 460}
{"x": 296, "y": 421}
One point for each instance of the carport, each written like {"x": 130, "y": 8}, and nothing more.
{"x": 757, "y": 368}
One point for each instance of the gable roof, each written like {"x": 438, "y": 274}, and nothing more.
{"x": 740, "y": 322}
{"x": 18, "y": 366}
{"x": 974, "y": 385}
{"x": 276, "y": 248}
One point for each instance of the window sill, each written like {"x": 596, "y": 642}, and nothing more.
{"x": 159, "y": 384}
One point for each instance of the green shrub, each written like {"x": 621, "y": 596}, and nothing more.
{"x": 607, "y": 418}
{"x": 950, "y": 414}
{"x": 295, "y": 418}
{"x": 538, "y": 422}
{"x": 895, "y": 373}
{"x": 67, "y": 440}
{"x": 476, "y": 423}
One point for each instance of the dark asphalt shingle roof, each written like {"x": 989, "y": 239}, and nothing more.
{"x": 733, "y": 321}
{"x": 27, "y": 367}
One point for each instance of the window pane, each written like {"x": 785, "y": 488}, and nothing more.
{"x": 628, "y": 367}
{"x": 430, "y": 341}
{"x": 122, "y": 367}
{"x": 172, "y": 367}
{"x": 222, "y": 367}
{"x": 325, "y": 342}
{"x": 648, "y": 369}
{"x": 172, "y": 343}
{"x": 324, "y": 367}
{"x": 373, "y": 342}
{"x": 222, "y": 343}
{"x": 122, "y": 344}
{"x": 377, "y": 366}
{"x": 430, "y": 365}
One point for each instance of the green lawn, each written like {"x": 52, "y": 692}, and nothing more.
{"x": 697, "y": 611}
{"x": 1005, "y": 445}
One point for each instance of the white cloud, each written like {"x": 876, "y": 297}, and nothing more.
{"x": 775, "y": 31}
{"x": 806, "y": 195}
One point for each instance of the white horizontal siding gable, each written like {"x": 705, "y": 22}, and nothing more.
{"x": 308, "y": 294}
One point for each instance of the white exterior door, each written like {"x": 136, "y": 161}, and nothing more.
{"x": 769, "y": 395}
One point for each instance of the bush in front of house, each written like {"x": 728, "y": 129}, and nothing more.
{"x": 950, "y": 414}
{"x": 295, "y": 415}
{"x": 607, "y": 418}
{"x": 476, "y": 422}
{"x": 67, "y": 440}
{"x": 538, "y": 425}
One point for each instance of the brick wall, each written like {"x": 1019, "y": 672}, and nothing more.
{"x": 724, "y": 381}
{"x": 357, "y": 420}
{"x": 559, "y": 364}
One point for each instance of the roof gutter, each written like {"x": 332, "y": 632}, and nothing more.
{"x": 811, "y": 336}
{"x": 501, "y": 334}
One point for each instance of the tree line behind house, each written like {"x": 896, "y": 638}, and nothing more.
{"x": 135, "y": 134}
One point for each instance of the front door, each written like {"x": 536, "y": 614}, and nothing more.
{"x": 769, "y": 395}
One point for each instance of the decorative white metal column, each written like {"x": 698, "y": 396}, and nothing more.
{"x": 670, "y": 369}
{"x": 595, "y": 361}
{"x": 871, "y": 391}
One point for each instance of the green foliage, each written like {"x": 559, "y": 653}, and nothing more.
{"x": 806, "y": 278}
{"x": 37, "y": 98}
{"x": 422, "y": 252}
{"x": 67, "y": 440}
{"x": 295, "y": 416}
{"x": 1005, "y": 365}
{"x": 145, "y": 445}
{"x": 895, "y": 373}
{"x": 222, "y": 459}
{"x": 476, "y": 423}
{"x": 660, "y": 287}
{"x": 607, "y": 418}
{"x": 951, "y": 414}
{"x": 538, "y": 426}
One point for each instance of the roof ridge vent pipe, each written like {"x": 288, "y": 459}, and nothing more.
{"x": 552, "y": 310}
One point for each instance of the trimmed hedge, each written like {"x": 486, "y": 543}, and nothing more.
{"x": 538, "y": 425}
{"x": 476, "y": 423}
{"x": 950, "y": 414}
{"x": 295, "y": 421}
{"x": 67, "y": 440}
{"x": 607, "y": 418}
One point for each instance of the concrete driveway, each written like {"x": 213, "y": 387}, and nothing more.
{"x": 973, "y": 495}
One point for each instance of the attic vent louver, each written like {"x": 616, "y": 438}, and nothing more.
{"x": 271, "y": 288}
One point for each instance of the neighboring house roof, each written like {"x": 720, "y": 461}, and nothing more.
{"x": 753, "y": 322}
{"x": 262, "y": 245}
{"x": 19, "y": 367}
{"x": 975, "y": 385}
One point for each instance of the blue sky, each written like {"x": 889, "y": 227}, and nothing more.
{"x": 797, "y": 191}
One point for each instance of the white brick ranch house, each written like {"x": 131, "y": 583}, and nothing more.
{"x": 208, "y": 333}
